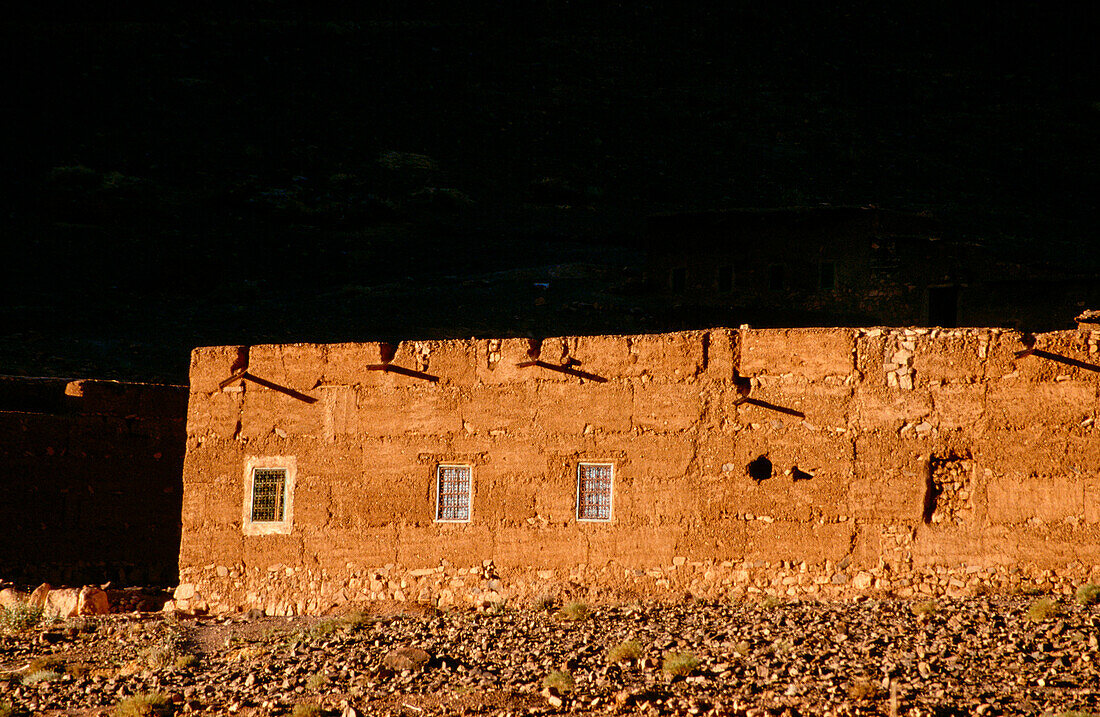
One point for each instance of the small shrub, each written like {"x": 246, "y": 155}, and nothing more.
{"x": 20, "y": 616}
{"x": 624, "y": 652}
{"x": 316, "y": 682}
{"x": 574, "y": 612}
{"x": 862, "y": 689}
{"x": 144, "y": 704}
{"x": 544, "y": 602}
{"x": 926, "y": 609}
{"x": 770, "y": 601}
{"x": 33, "y": 678}
{"x": 52, "y": 663}
{"x": 249, "y": 652}
{"x": 184, "y": 662}
{"x": 7, "y": 709}
{"x": 156, "y": 658}
{"x": 781, "y": 647}
{"x": 324, "y": 628}
{"x": 1043, "y": 609}
{"x": 305, "y": 709}
{"x": 560, "y": 681}
{"x": 356, "y": 621}
{"x": 679, "y": 664}
{"x": 1088, "y": 594}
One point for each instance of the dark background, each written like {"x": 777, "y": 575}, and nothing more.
{"x": 418, "y": 173}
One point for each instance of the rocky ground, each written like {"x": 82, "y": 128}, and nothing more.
{"x": 985, "y": 656}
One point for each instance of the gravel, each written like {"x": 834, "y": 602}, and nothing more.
{"x": 954, "y": 656}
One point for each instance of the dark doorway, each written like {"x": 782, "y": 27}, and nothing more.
{"x": 943, "y": 306}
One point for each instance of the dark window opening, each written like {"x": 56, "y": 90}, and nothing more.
{"x": 760, "y": 469}
{"x": 943, "y": 306}
{"x": 678, "y": 278}
{"x": 777, "y": 277}
{"x": 826, "y": 275}
{"x": 725, "y": 278}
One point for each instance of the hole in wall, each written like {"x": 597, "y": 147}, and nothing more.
{"x": 798, "y": 474}
{"x": 931, "y": 494}
{"x": 760, "y": 469}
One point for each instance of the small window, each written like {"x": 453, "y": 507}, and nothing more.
{"x": 777, "y": 277}
{"x": 268, "y": 495}
{"x": 452, "y": 494}
{"x": 826, "y": 275}
{"x": 594, "y": 482}
{"x": 725, "y": 279}
{"x": 677, "y": 278}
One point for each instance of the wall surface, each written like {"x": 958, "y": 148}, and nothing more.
{"x": 90, "y": 481}
{"x": 909, "y": 460}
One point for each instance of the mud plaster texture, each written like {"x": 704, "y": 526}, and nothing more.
{"x": 910, "y": 461}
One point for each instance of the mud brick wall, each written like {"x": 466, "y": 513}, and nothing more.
{"x": 918, "y": 461}
{"x": 90, "y": 481}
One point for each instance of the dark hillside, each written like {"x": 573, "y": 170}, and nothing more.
{"x": 180, "y": 183}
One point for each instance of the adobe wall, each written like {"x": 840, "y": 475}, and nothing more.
{"x": 90, "y": 481}
{"x": 926, "y": 461}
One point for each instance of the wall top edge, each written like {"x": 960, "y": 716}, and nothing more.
{"x": 693, "y": 333}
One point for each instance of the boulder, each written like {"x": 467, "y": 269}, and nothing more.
{"x": 93, "y": 601}
{"x": 38, "y": 597}
{"x": 62, "y": 603}
{"x": 70, "y": 602}
{"x": 10, "y": 597}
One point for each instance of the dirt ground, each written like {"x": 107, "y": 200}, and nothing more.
{"x": 985, "y": 656}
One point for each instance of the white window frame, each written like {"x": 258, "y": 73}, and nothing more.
{"x": 469, "y": 493}
{"x": 610, "y": 491}
{"x": 289, "y": 464}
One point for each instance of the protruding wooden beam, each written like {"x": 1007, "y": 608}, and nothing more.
{"x": 390, "y": 368}
{"x": 563, "y": 369}
{"x": 246, "y": 376}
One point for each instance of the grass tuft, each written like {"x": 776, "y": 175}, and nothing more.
{"x": 1043, "y": 609}
{"x": 145, "y": 704}
{"x": 781, "y": 647}
{"x": 52, "y": 663}
{"x": 862, "y": 689}
{"x": 33, "y": 678}
{"x": 544, "y": 602}
{"x": 926, "y": 609}
{"x": 628, "y": 651}
{"x": 21, "y": 616}
{"x": 305, "y": 709}
{"x": 560, "y": 681}
{"x": 156, "y": 658}
{"x": 7, "y": 709}
{"x": 1088, "y": 594}
{"x": 324, "y": 628}
{"x": 184, "y": 662}
{"x": 356, "y": 621}
{"x": 317, "y": 681}
{"x": 679, "y": 664}
{"x": 574, "y": 612}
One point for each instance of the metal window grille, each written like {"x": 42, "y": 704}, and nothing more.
{"x": 453, "y": 493}
{"x": 268, "y": 495}
{"x": 594, "y": 491}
